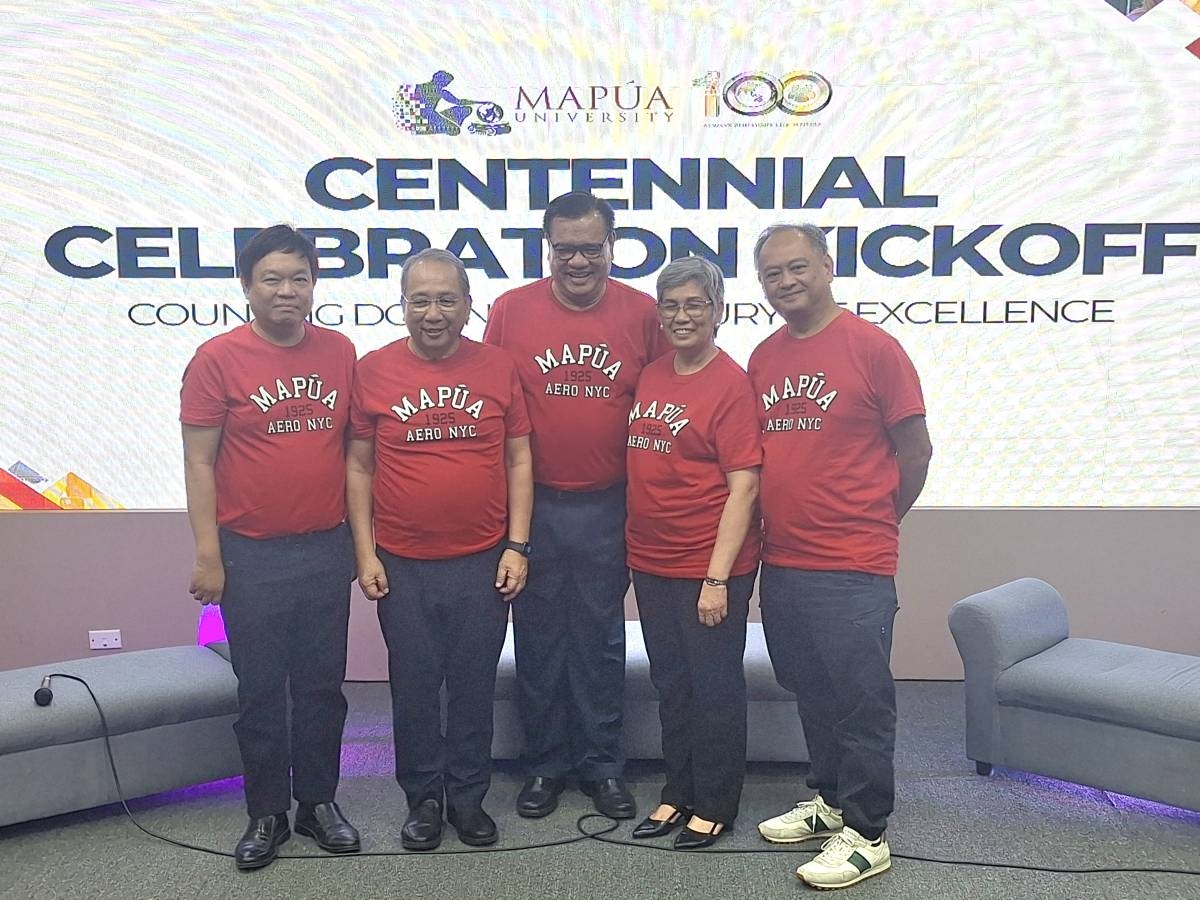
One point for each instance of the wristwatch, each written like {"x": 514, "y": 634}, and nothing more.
{"x": 523, "y": 548}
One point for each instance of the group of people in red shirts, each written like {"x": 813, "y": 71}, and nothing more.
{"x": 594, "y": 432}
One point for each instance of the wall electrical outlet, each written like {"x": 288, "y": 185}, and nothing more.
{"x": 105, "y": 640}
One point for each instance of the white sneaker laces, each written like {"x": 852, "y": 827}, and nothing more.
{"x": 835, "y": 851}
{"x": 803, "y": 810}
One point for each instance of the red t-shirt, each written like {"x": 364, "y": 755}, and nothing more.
{"x": 283, "y": 411}
{"x": 685, "y": 432}
{"x": 579, "y": 369}
{"x": 830, "y": 477}
{"x": 439, "y": 426}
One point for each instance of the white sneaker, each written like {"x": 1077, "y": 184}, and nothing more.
{"x": 809, "y": 819}
{"x": 845, "y": 859}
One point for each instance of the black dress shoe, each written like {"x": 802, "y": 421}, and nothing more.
{"x": 260, "y": 840}
{"x": 423, "y": 828}
{"x": 325, "y": 824}
{"x": 474, "y": 826}
{"x": 653, "y": 828}
{"x": 610, "y": 797}
{"x": 695, "y": 840}
{"x": 539, "y": 796}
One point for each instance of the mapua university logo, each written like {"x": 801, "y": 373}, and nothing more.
{"x": 758, "y": 93}
{"x": 429, "y": 107}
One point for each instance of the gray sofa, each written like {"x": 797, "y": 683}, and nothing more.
{"x": 170, "y": 714}
{"x": 774, "y": 732}
{"x": 1108, "y": 715}
{"x": 171, "y": 711}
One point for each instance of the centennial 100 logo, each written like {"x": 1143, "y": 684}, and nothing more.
{"x": 755, "y": 94}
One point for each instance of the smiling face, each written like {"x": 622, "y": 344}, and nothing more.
{"x": 435, "y": 308}
{"x": 280, "y": 292}
{"x": 580, "y": 254}
{"x": 689, "y": 316}
{"x": 796, "y": 277}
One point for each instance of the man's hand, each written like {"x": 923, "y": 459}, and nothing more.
{"x": 511, "y": 573}
{"x": 208, "y": 580}
{"x": 372, "y": 578}
{"x": 713, "y": 604}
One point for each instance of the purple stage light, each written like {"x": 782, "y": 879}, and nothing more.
{"x": 210, "y": 628}
{"x": 1123, "y": 802}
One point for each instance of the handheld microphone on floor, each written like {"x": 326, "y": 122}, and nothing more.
{"x": 43, "y": 695}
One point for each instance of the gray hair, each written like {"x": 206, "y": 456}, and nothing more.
{"x": 433, "y": 254}
{"x": 815, "y": 236}
{"x": 697, "y": 269}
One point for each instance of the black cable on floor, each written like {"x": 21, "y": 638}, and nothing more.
{"x": 601, "y": 836}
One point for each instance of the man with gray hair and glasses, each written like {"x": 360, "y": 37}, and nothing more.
{"x": 439, "y": 490}
{"x": 845, "y": 454}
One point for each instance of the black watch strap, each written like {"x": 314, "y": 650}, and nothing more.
{"x": 523, "y": 548}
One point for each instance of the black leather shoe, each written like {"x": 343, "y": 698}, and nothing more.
{"x": 611, "y": 797}
{"x": 325, "y": 824}
{"x": 539, "y": 796}
{"x": 423, "y": 828}
{"x": 474, "y": 826}
{"x": 260, "y": 841}
{"x": 695, "y": 840}
{"x": 653, "y": 828}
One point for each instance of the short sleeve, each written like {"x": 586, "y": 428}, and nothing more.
{"x": 203, "y": 400}
{"x": 738, "y": 434}
{"x": 896, "y": 384}
{"x": 362, "y": 423}
{"x": 516, "y": 417}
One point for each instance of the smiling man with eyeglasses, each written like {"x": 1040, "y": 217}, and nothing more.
{"x": 580, "y": 340}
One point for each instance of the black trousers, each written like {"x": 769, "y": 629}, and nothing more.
{"x": 286, "y": 607}
{"x": 569, "y": 634}
{"x": 443, "y": 621}
{"x": 699, "y": 675}
{"x": 829, "y": 635}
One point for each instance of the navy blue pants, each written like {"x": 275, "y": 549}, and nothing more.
{"x": 829, "y": 635}
{"x": 286, "y": 607}
{"x": 569, "y": 632}
{"x": 444, "y": 622}
{"x": 699, "y": 674}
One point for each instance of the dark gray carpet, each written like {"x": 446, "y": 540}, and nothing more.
{"x": 944, "y": 810}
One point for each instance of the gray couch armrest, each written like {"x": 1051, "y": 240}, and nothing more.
{"x": 995, "y": 629}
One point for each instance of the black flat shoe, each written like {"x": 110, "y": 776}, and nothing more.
{"x": 423, "y": 828}
{"x": 653, "y": 828}
{"x": 325, "y": 824}
{"x": 260, "y": 841}
{"x": 475, "y": 827}
{"x": 610, "y": 797}
{"x": 695, "y": 840}
{"x": 539, "y": 796}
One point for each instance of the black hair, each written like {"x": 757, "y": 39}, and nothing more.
{"x": 577, "y": 205}
{"x": 276, "y": 239}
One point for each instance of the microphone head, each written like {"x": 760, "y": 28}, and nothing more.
{"x": 42, "y": 696}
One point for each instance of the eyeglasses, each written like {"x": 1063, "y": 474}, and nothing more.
{"x": 566, "y": 252}
{"x": 668, "y": 309}
{"x": 445, "y": 302}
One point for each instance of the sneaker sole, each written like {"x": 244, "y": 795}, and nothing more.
{"x": 815, "y": 836}
{"x": 870, "y": 873}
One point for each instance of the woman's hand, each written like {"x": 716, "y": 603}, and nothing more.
{"x": 713, "y": 605}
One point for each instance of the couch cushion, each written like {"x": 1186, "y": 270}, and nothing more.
{"x": 1152, "y": 690}
{"x": 760, "y": 677}
{"x": 137, "y": 690}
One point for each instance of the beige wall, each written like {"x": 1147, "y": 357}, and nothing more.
{"x": 1127, "y": 575}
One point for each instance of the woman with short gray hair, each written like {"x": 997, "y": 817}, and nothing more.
{"x": 693, "y": 453}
